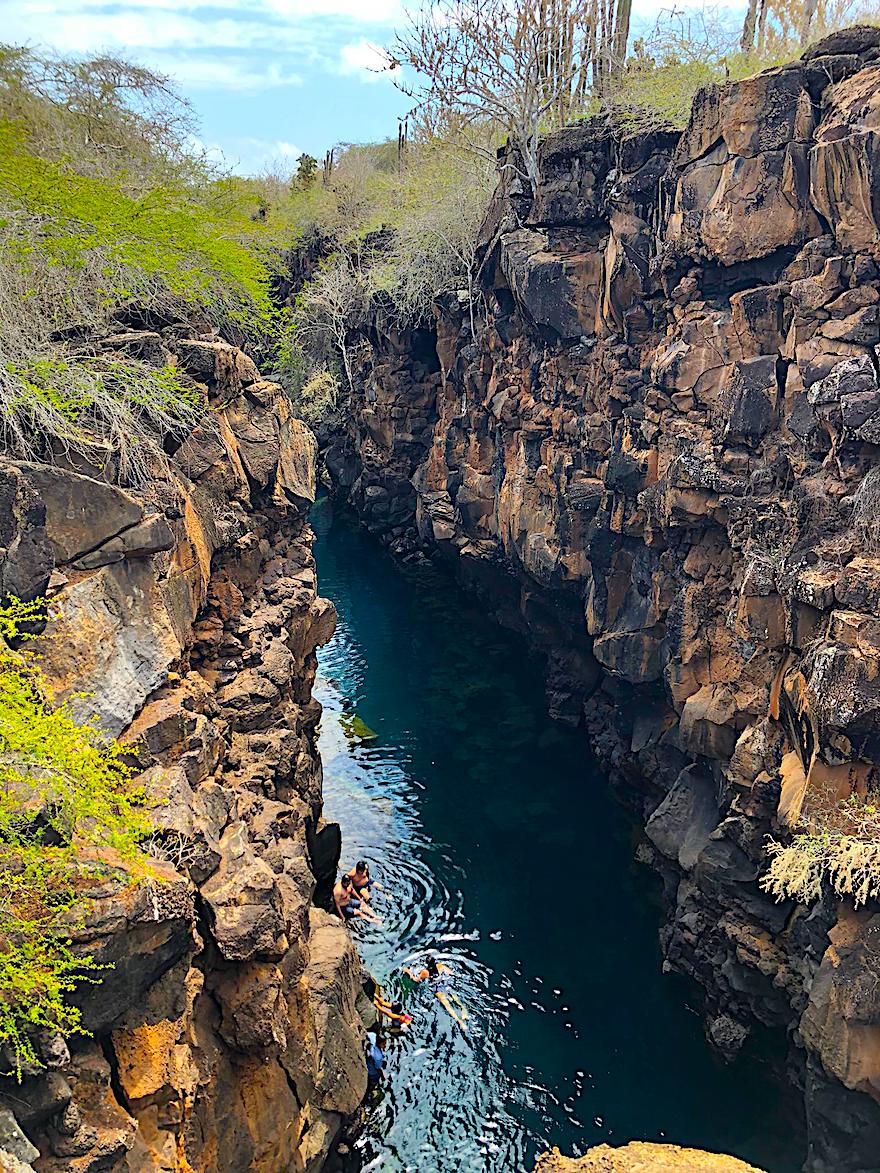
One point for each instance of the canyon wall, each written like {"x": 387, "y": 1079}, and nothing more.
{"x": 224, "y": 1035}
{"x": 656, "y": 453}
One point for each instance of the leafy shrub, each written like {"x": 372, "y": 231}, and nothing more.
{"x": 104, "y": 205}
{"x": 163, "y": 241}
{"x": 96, "y": 403}
{"x": 317, "y": 398}
{"x": 840, "y": 846}
{"x": 65, "y": 798}
{"x": 685, "y": 51}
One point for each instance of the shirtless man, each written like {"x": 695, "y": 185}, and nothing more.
{"x": 361, "y": 881}
{"x": 348, "y": 905}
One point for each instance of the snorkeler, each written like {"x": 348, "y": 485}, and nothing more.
{"x": 349, "y": 906}
{"x": 434, "y": 974}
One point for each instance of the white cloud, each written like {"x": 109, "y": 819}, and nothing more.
{"x": 361, "y": 11}
{"x": 139, "y": 30}
{"x": 357, "y": 11}
{"x": 250, "y": 156}
{"x": 365, "y": 60}
{"x": 253, "y": 156}
{"x": 224, "y": 73}
{"x": 209, "y": 44}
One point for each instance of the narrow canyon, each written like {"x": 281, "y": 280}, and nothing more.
{"x": 647, "y": 444}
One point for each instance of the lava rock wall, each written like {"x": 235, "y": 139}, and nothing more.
{"x": 184, "y": 617}
{"x": 656, "y": 455}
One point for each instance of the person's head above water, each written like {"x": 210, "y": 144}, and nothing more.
{"x": 361, "y": 867}
{"x": 346, "y": 881}
{"x": 431, "y": 965}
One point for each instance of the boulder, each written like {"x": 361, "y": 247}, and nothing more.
{"x": 743, "y": 186}
{"x": 139, "y": 931}
{"x": 243, "y": 902}
{"x": 81, "y": 513}
{"x": 14, "y": 1143}
{"x": 681, "y": 825}
{"x": 331, "y": 981}
{"x": 751, "y": 394}
{"x": 109, "y": 643}
{"x": 255, "y": 429}
{"x": 297, "y": 461}
{"x": 557, "y": 289}
{"x": 845, "y": 162}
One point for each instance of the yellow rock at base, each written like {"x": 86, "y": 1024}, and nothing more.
{"x": 641, "y": 1157}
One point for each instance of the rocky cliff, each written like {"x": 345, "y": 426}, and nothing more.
{"x": 657, "y": 454}
{"x": 184, "y": 616}
{"x": 638, "y": 1157}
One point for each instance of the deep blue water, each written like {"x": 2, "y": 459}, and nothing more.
{"x": 500, "y": 847}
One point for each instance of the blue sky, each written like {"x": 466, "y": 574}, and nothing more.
{"x": 268, "y": 78}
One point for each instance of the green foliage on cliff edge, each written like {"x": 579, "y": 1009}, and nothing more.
{"x": 167, "y": 240}
{"x": 68, "y": 813}
{"x": 105, "y": 206}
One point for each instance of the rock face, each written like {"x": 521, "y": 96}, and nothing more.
{"x": 185, "y": 619}
{"x": 638, "y": 1157}
{"x": 658, "y": 457}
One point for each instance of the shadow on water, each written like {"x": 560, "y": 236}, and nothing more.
{"x": 499, "y": 847}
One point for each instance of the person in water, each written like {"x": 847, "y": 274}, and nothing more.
{"x": 348, "y": 905}
{"x": 361, "y": 880}
{"x": 435, "y": 974}
{"x": 392, "y": 1011}
{"x": 375, "y": 1058}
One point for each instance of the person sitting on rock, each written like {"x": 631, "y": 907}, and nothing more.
{"x": 348, "y": 905}
{"x": 361, "y": 880}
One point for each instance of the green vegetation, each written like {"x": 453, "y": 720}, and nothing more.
{"x": 103, "y": 206}
{"x": 398, "y": 225}
{"x": 840, "y": 846}
{"x": 68, "y": 812}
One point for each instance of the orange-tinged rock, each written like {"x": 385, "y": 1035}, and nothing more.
{"x": 641, "y": 1157}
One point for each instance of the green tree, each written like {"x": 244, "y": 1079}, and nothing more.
{"x": 306, "y": 172}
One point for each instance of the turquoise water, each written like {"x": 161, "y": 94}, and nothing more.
{"x": 500, "y": 848}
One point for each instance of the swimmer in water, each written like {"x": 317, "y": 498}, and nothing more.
{"x": 435, "y": 974}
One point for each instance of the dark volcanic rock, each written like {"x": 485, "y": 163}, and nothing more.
{"x": 658, "y": 435}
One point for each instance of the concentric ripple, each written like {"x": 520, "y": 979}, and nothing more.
{"x": 499, "y": 850}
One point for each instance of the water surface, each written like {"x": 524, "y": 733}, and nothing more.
{"x": 501, "y": 849}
